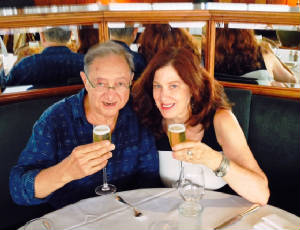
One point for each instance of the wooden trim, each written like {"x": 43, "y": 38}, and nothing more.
{"x": 290, "y": 93}
{"x": 103, "y": 32}
{"x": 156, "y": 16}
{"x": 282, "y": 18}
{"x": 39, "y": 93}
{"x": 210, "y": 47}
{"x": 39, "y": 20}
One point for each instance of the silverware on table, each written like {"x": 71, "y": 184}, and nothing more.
{"x": 137, "y": 213}
{"x": 235, "y": 219}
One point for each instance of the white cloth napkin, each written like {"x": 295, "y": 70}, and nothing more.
{"x": 274, "y": 222}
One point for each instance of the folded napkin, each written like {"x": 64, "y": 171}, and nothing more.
{"x": 274, "y": 222}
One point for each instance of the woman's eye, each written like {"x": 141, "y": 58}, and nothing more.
{"x": 156, "y": 86}
{"x": 120, "y": 84}
{"x": 173, "y": 86}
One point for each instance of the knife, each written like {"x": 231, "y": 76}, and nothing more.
{"x": 237, "y": 218}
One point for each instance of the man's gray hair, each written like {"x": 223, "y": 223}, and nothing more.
{"x": 57, "y": 34}
{"x": 105, "y": 49}
{"x": 121, "y": 32}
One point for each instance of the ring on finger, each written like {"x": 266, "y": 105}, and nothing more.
{"x": 189, "y": 153}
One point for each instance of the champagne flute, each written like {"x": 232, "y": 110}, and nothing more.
{"x": 100, "y": 133}
{"x": 176, "y": 135}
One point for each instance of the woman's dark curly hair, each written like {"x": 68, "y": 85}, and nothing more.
{"x": 237, "y": 51}
{"x": 207, "y": 94}
{"x": 159, "y": 36}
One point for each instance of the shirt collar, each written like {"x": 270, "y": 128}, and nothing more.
{"x": 56, "y": 50}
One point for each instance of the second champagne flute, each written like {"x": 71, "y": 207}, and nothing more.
{"x": 100, "y": 133}
{"x": 176, "y": 135}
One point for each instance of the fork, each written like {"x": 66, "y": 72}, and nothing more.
{"x": 137, "y": 213}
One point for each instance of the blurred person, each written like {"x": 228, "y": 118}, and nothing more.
{"x": 238, "y": 53}
{"x": 174, "y": 88}
{"x": 158, "y": 36}
{"x": 125, "y": 37}
{"x": 56, "y": 65}
{"x": 88, "y": 36}
{"x": 61, "y": 164}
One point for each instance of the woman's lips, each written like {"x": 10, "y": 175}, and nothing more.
{"x": 167, "y": 106}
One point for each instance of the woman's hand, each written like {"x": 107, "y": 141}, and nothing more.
{"x": 196, "y": 152}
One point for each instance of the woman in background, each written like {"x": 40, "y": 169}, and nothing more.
{"x": 238, "y": 53}
{"x": 159, "y": 36}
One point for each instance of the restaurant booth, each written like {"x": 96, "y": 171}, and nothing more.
{"x": 269, "y": 115}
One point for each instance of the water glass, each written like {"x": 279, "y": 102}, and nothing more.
{"x": 192, "y": 190}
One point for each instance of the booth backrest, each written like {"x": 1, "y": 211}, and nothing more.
{"x": 272, "y": 126}
{"x": 241, "y": 100}
{"x": 274, "y": 138}
{"x": 16, "y": 122}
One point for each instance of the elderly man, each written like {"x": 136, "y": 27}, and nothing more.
{"x": 61, "y": 165}
{"x": 55, "y": 65}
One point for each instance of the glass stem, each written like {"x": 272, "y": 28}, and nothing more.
{"x": 105, "y": 185}
{"x": 181, "y": 176}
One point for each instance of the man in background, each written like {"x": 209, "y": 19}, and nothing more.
{"x": 125, "y": 37}
{"x": 56, "y": 65}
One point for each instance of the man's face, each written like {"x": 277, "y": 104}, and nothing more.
{"x": 108, "y": 91}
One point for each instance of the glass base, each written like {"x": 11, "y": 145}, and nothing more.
{"x": 165, "y": 225}
{"x": 188, "y": 208}
{"x": 104, "y": 190}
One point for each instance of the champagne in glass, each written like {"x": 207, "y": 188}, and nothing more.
{"x": 101, "y": 133}
{"x": 176, "y": 135}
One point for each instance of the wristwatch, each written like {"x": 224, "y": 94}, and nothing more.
{"x": 223, "y": 168}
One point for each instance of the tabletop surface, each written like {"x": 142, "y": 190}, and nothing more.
{"x": 105, "y": 212}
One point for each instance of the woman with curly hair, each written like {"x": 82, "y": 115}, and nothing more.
{"x": 158, "y": 36}
{"x": 174, "y": 88}
{"x": 238, "y": 53}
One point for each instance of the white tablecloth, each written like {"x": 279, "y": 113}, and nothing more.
{"x": 105, "y": 212}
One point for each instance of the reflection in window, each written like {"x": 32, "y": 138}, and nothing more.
{"x": 40, "y": 57}
{"x": 256, "y": 56}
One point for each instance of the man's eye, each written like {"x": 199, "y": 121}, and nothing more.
{"x": 101, "y": 84}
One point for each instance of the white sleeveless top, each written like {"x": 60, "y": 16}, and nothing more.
{"x": 169, "y": 169}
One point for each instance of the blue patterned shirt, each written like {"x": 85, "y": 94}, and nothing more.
{"x": 62, "y": 127}
{"x": 55, "y": 66}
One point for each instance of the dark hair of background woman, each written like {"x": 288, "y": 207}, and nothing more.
{"x": 159, "y": 36}
{"x": 237, "y": 51}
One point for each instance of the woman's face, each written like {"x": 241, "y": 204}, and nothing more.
{"x": 172, "y": 96}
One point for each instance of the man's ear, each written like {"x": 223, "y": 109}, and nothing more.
{"x": 131, "y": 78}
{"x": 83, "y": 78}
